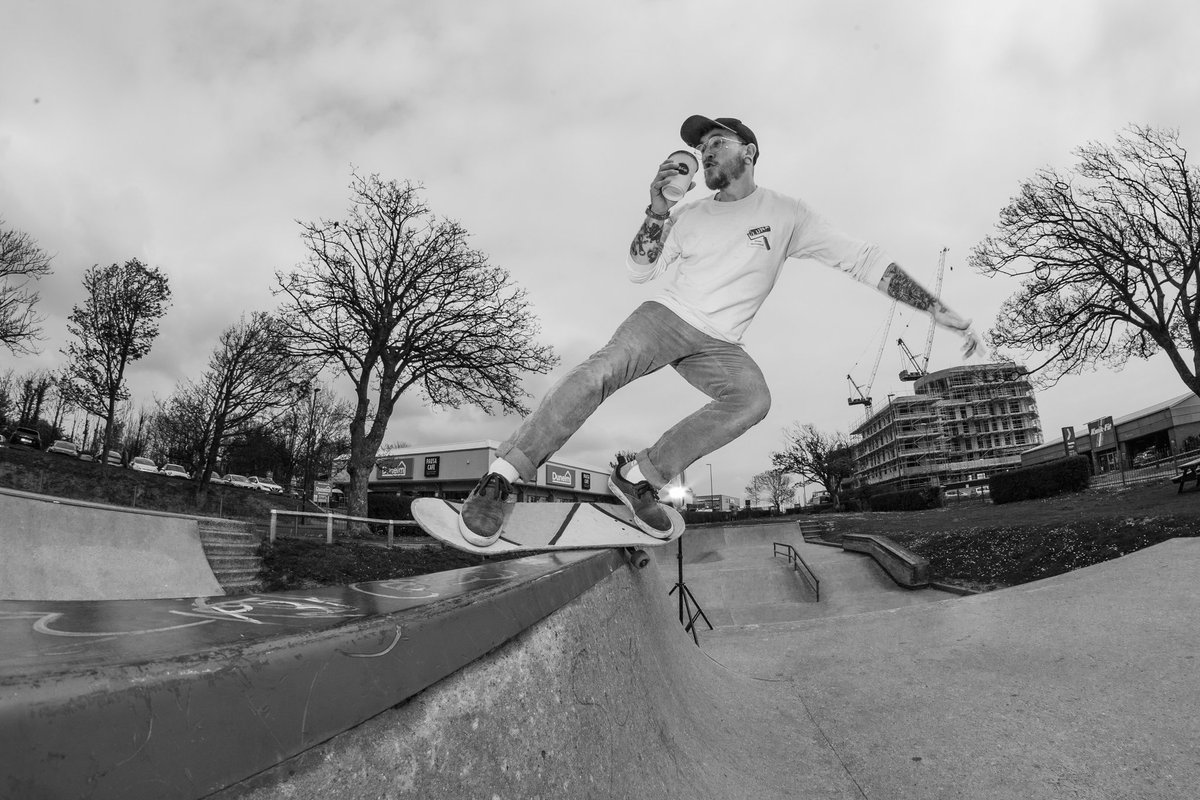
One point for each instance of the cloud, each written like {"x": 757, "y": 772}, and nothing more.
{"x": 194, "y": 136}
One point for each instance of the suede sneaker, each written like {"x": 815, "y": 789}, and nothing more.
{"x": 482, "y": 517}
{"x": 642, "y": 500}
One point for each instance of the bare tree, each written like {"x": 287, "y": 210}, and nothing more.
{"x": 397, "y": 300}
{"x": 774, "y": 485}
{"x": 8, "y": 387}
{"x": 116, "y": 325}
{"x": 818, "y": 457}
{"x": 34, "y": 388}
{"x": 21, "y": 261}
{"x": 252, "y": 378}
{"x": 1109, "y": 254}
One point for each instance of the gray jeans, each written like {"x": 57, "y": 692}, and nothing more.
{"x": 650, "y": 339}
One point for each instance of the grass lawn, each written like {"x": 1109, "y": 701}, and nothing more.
{"x": 984, "y": 546}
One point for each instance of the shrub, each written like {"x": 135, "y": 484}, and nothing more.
{"x": 389, "y": 506}
{"x": 1041, "y": 480}
{"x": 908, "y": 500}
{"x": 694, "y": 516}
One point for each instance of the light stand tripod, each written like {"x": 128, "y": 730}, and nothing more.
{"x": 687, "y": 600}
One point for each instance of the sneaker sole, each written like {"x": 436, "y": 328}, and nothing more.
{"x": 645, "y": 528}
{"x": 474, "y": 538}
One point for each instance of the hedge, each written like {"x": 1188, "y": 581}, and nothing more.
{"x": 1041, "y": 480}
{"x": 908, "y": 500}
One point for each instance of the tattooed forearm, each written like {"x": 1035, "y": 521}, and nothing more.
{"x": 647, "y": 244}
{"x": 899, "y": 285}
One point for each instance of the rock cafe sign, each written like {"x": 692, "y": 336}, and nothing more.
{"x": 560, "y": 476}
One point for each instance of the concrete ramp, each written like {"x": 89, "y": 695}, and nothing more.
{"x": 735, "y": 576}
{"x": 54, "y": 549}
{"x": 1079, "y": 686}
{"x": 606, "y": 698}
{"x": 738, "y": 580}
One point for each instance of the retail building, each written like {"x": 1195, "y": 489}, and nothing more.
{"x": 452, "y": 470}
{"x": 715, "y": 502}
{"x": 961, "y": 425}
{"x": 1156, "y": 432}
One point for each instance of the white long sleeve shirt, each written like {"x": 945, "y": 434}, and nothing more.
{"x": 721, "y": 259}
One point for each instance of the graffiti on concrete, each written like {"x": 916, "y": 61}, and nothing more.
{"x": 259, "y": 609}
{"x": 68, "y": 628}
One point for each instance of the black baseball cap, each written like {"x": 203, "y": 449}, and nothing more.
{"x": 695, "y": 126}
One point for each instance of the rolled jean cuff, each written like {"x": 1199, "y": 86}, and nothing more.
{"x": 656, "y": 478}
{"x": 514, "y": 456}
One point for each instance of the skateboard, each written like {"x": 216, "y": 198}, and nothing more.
{"x": 538, "y": 527}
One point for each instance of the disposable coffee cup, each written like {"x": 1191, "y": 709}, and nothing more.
{"x": 677, "y": 188}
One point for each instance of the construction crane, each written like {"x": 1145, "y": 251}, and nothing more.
{"x": 921, "y": 368}
{"x": 916, "y": 371}
{"x": 864, "y": 399}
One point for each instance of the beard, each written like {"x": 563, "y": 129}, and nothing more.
{"x": 724, "y": 174}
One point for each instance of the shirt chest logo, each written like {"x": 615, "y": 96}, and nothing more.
{"x": 757, "y": 237}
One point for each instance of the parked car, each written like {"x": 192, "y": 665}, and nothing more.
{"x": 143, "y": 464}
{"x": 65, "y": 447}
{"x": 1146, "y": 457}
{"x": 174, "y": 471}
{"x": 266, "y": 485}
{"x": 215, "y": 477}
{"x": 84, "y": 455}
{"x": 26, "y": 437}
{"x": 113, "y": 458}
{"x": 238, "y": 480}
{"x": 957, "y": 494}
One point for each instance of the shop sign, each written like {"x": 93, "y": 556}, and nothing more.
{"x": 560, "y": 476}
{"x": 401, "y": 468}
{"x": 433, "y": 465}
{"x": 585, "y": 480}
{"x": 1068, "y": 435}
{"x": 1102, "y": 433}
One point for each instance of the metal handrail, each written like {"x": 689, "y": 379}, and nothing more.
{"x": 798, "y": 563}
{"x": 329, "y": 518}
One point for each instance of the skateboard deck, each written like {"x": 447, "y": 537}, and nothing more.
{"x": 546, "y": 526}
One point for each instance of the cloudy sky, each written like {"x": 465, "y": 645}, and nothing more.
{"x": 194, "y": 136}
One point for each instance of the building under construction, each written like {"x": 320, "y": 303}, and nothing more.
{"x": 961, "y": 425}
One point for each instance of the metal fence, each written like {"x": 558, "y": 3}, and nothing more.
{"x": 1161, "y": 470}
{"x": 331, "y": 522}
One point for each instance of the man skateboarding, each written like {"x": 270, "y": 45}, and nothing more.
{"x": 718, "y": 259}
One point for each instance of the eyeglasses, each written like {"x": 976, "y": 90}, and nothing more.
{"x": 715, "y": 143}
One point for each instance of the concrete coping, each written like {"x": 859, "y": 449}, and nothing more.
{"x": 239, "y": 684}
{"x": 70, "y": 501}
{"x": 904, "y": 566}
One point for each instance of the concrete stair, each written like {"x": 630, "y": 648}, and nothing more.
{"x": 812, "y": 530}
{"x": 232, "y": 551}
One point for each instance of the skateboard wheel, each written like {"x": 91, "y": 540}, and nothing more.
{"x": 639, "y": 557}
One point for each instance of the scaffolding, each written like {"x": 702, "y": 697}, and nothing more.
{"x": 962, "y": 425}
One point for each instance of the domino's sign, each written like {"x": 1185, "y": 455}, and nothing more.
{"x": 560, "y": 476}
